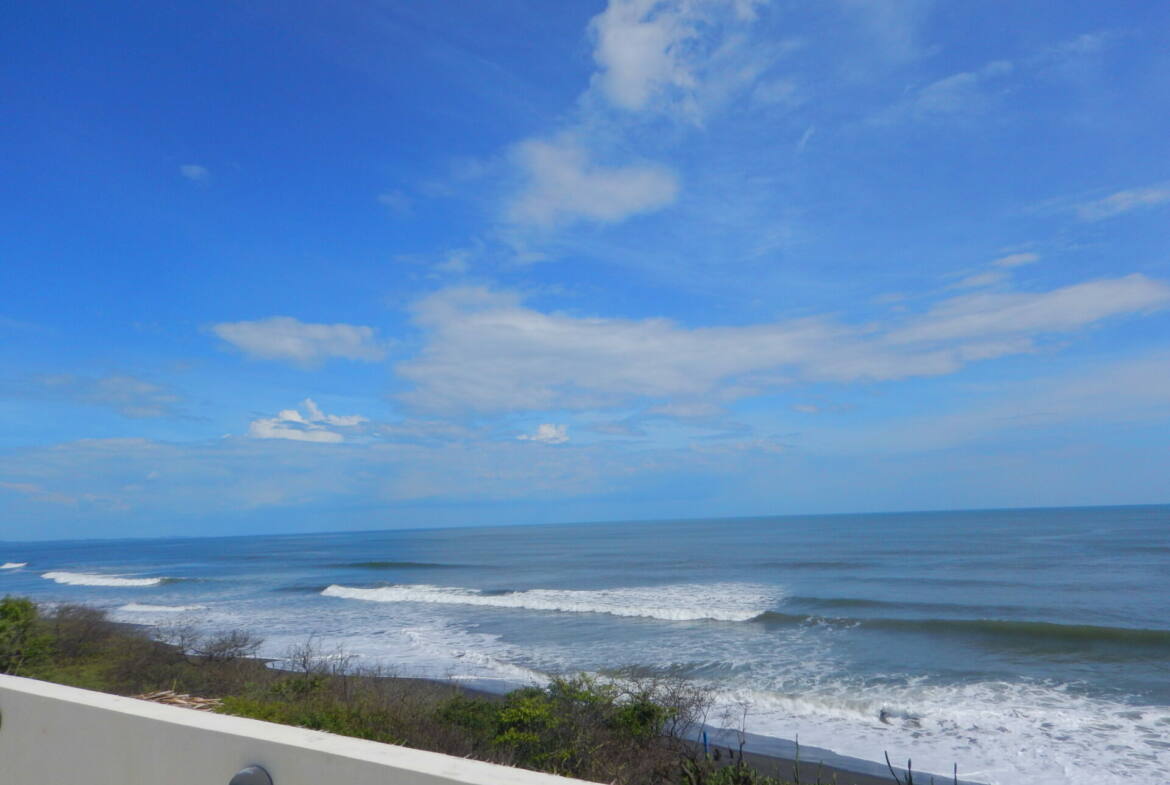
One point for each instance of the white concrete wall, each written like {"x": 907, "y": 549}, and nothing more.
{"x": 55, "y": 735}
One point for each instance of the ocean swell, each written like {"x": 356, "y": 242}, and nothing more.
{"x": 395, "y": 565}
{"x": 1023, "y": 631}
{"x": 678, "y": 602}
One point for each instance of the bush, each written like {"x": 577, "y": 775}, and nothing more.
{"x": 361, "y": 720}
{"x": 226, "y": 646}
{"x": 22, "y": 644}
{"x": 78, "y": 630}
{"x": 579, "y": 727}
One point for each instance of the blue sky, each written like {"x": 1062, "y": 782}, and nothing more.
{"x": 310, "y": 266}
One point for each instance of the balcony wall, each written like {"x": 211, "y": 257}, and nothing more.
{"x": 55, "y": 735}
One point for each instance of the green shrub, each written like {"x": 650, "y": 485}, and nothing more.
{"x": 360, "y": 721}
{"x": 476, "y": 717}
{"x": 22, "y": 644}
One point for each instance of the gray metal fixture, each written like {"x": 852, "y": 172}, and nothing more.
{"x": 253, "y": 775}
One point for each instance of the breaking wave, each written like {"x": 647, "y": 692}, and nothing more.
{"x": 94, "y": 579}
{"x": 678, "y": 602}
{"x": 13, "y": 565}
{"x": 1056, "y": 737}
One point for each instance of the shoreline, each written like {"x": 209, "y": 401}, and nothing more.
{"x": 770, "y": 755}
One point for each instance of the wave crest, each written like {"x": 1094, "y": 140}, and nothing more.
{"x": 678, "y": 602}
{"x": 94, "y": 579}
{"x": 13, "y": 565}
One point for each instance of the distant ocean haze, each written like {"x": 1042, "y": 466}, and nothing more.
{"x": 1025, "y": 645}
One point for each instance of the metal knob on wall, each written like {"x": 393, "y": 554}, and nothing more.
{"x": 253, "y": 775}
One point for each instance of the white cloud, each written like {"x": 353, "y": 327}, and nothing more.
{"x": 678, "y": 59}
{"x": 563, "y": 184}
{"x": 195, "y": 173}
{"x": 487, "y": 351}
{"x": 639, "y": 45}
{"x": 1016, "y": 260}
{"x": 315, "y": 415}
{"x": 547, "y": 433}
{"x": 301, "y": 343}
{"x": 312, "y": 426}
{"x": 658, "y": 53}
{"x": 1123, "y": 202}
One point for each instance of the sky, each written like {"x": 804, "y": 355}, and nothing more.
{"x": 309, "y": 266}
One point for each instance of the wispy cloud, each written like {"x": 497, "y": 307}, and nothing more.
{"x": 960, "y": 94}
{"x": 979, "y": 280}
{"x": 128, "y": 395}
{"x": 487, "y": 351}
{"x": 892, "y": 27}
{"x": 36, "y": 493}
{"x": 244, "y": 474}
{"x": 1127, "y": 390}
{"x": 1016, "y": 260}
{"x": 457, "y": 262}
{"x": 1026, "y": 314}
{"x": 284, "y": 338}
{"x": 1124, "y": 202}
{"x": 195, "y": 173}
{"x": 397, "y": 202}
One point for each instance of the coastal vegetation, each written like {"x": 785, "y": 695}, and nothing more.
{"x": 629, "y": 730}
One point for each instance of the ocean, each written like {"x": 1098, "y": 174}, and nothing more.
{"x": 1027, "y": 646}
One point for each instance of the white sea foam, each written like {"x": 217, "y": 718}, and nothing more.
{"x": 13, "y": 565}
{"x": 93, "y": 579}
{"x": 999, "y": 733}
{"x": 141, "y": 607}
{"x": 468, "y": 655}
{"x": 677, "y": 602}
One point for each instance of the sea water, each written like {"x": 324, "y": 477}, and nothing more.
{"x": 1027, "y": 646}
